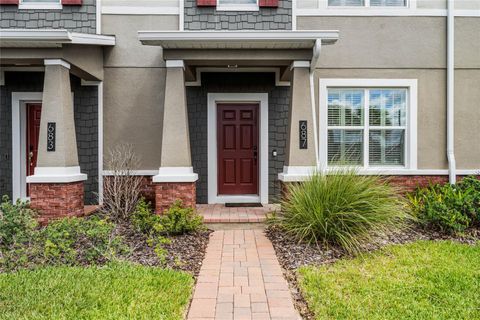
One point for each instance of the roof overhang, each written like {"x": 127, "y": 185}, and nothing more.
{"x": 48, "y": 38}
{"x": 237, "y": 39}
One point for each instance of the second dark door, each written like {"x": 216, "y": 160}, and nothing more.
{"x": 237, "y": 145}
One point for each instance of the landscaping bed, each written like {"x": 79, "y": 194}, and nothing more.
{"x": 344, "y": 220}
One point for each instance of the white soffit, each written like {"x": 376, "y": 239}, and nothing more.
{"x": 237, "y": 39}
{"x": 44, "y": 38}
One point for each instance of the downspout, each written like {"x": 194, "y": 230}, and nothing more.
{"x": 451, "y": 92}
{"x": 313, "y": 64}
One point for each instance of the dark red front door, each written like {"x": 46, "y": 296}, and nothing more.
{"x": 34, "y": 111}
{"x": 237, "y": 138}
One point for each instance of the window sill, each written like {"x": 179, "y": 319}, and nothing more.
{"x": 247, "y": 7}
{"x": 40, "y": 6}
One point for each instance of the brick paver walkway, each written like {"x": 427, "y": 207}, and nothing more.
{"x": 241, "y": 279}
{"x": 218, "y": 213}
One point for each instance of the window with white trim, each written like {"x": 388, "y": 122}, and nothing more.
{"x": 367, "y": 127}
{"x": 367, "y": 3}
{"x": 368, "y": 123}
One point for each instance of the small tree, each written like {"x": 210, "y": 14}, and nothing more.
{"x": 121, "y": 191}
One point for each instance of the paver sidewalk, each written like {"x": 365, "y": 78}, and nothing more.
{"x": 241, "y": 279}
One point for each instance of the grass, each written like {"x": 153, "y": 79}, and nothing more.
{"x": 117, "y": 291}
{"x": 341, "y": 208}
{"x": 421, "y": 280}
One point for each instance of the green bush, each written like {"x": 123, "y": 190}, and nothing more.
{"x": 175, "y": 221}
{"x": 449, "y": 208}
{"x": 17, "y": 223}
{"x": 75, "y": 241}
{"x": 180, "y": 220}
{"x": 341, "y": 208}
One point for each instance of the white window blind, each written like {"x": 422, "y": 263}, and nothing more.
{"x": 388, "y": 3}
{"x": 237, "y": 2}
{"x": 367, "y": 127}
{"x": 346, "y": 3}
{"x": 367, "y": 3}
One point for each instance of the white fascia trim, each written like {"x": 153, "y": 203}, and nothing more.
{"x": 175, "y": 174}
{"x": 296, "y": 173}
{"x": 300, "y": 64}
{"x": 56, "y": 62}
{"x": 213, "y": 99}
{"x": 19, "y": 162}
{"x": 133, "y": 172}
{"x": 57, "y": 36}
{"x": 199, "y": 71}
{"x": 98, "y": 17}
{"x": 411, "y": 131}
{"x": 328, "y": 35}
{"x": 388, "y": 12}
{"x": 175, "y": 64}
{"x": 92, "y": 39}
{"x": 134, "y": 10}
{"x": 54, "y": 5}
{"x": 57, "y": 175}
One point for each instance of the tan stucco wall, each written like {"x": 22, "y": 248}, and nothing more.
{"x": 134, "y": 86}
{"x": 128, "y": 50}
{"x": 133, "y": 108}
{"x": 467, "y": 118}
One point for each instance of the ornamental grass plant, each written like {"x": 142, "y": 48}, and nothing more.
{"x": 341, "y": 208}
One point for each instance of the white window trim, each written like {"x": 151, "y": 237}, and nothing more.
{"x": 213, "y": 99}
{"x": 237, "y": 7}
{"x": 411, "y": 131}
{"x": 410, "y": 4}
{"x": 52, "y": 5}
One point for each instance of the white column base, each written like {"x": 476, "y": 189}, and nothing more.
{"x": 175, "y": 174}
{"x": 57, "y": 175}
{"x": 296, "y": 173}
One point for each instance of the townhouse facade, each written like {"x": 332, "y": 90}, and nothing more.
{"x": 225, "y": 101}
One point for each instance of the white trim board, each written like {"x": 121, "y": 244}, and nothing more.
{"x": 213, "y": 99}
{"x": 140, "y": 10}
{"x": 411, "y": 130}
{"x": 19, "y": 164}
{"x": 388, "y": 12}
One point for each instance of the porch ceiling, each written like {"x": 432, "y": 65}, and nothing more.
{"x": 50, "y": 38}
{"x": 237, "y": 39}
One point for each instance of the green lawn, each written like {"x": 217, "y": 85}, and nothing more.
{"x": 422, "y": 280}
{"x": 119, "y": 291}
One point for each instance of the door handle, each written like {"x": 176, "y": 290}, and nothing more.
{"x": 30, "y": 155}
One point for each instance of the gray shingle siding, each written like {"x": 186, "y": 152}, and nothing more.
{"x": 86, "y": 127}
{"x": 278, "y": 104}
{"x": 74, "y": 18}
{"x": 208, "y": 18}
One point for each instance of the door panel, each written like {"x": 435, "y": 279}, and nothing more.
{"x": 237, "y": 143}
{"x": 34, "y": 111}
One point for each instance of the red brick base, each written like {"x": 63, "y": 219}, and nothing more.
{"x": 406, "y": 183}
{"x": 168, "y": 192}
{"x": 57, "y": 200}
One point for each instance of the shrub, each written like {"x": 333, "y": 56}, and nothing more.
{"x": 122, "y": 189}
{"x": 449, "y": 208}
{"x": 75, "y": 241}
{"x": 17, "y": 223}
{"x": 175, "y": 221}
{"x": 180, "y": 220}
{"x": 341, "y": 208}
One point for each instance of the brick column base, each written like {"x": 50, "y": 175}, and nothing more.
{"x": 57, "y": 200}
{"x": 166, "y": 193}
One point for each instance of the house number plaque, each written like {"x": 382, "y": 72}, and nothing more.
{"x": 51, "y": 132}
{"x": 303, "y": 134}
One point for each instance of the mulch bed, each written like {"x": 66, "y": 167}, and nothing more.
{"x": 293, "y": 255}
{"x": 185, "y": 252}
